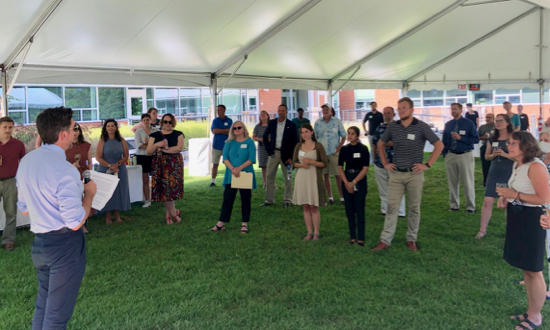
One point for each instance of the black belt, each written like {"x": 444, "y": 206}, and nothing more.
{"x": 461, "y": 152}
{"x": 277, "y": 149}
{"x": 404, "y": 169}
{"x": 4, "y": 179}
{"x": 63, "y": 230}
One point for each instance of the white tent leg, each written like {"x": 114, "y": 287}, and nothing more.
{"x": 4, "y": 106}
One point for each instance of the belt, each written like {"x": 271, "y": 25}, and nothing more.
{"x": 4, "y": 179}
{"x": 352, "y": 171}
{"x": 404, "y": 169}
{"x": 63, "y": 230}
{"x": 277, "y": 149}
{"x": 460, "y": 153}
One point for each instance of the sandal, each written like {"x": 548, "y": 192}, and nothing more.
{"x": 308, "y": 237}
{"x": 352, "y": 241}
{"x": 519, "y": 317}
{"x": 244, "y": 229}
{"x": 480, "y": 234}
{"x": 531, "y": 325}
{"x": 169, "y": 220}
{"x": 177, "y": 217}
{"x": 217, "y": 228}
{"x": 316, "y": 237}
{"x": 361, "y": 243}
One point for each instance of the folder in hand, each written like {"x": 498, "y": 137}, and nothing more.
{"x": 244, "y": 181}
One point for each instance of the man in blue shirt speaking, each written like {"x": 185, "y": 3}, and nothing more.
{"x": 220, "y": 129}
{"x": 459, "y": 137}
{"x": 50, "y": 190}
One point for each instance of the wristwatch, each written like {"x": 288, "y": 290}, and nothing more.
{"x": 428, "y": 165}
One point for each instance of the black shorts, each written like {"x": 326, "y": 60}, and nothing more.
{"x": 145, "y": 162}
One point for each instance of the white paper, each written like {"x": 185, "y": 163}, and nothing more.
{"x": 244, "y": 181}
{"x": 106, "y": 185}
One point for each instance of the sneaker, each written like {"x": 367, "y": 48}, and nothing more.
{"x": 212, "y": 185}
{"x": 331, "y": 201}
{"x": 147, "y": 204}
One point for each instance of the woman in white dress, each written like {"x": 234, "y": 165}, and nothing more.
{"x": 309, "y": 189}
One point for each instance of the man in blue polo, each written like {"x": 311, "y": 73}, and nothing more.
{"x": 220, "y": 128}
{"x": 459, "y": 137}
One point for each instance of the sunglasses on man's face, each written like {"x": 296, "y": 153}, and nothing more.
{"x": 237, "y": 128}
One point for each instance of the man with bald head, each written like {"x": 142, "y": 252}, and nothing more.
{"x": 382, "y": 174}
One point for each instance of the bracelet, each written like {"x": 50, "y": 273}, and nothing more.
{"x": 517, "y": 197}
{"x": 428, "y": 165}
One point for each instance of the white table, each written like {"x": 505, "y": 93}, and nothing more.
{"x": 135, "y": 183}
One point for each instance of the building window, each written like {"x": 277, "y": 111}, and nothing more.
{"x": 190, "y": 101}
{"x": 41, "y": 98}
{"x": 83, "y": 101}
{"x": 232, "y": 100}
{"x": 529, "y": 95}
{"x": 112, "y": 104}
{"x": 511, "y": 95}
{"x": 483, "y": 97}
{"x": 363, "y": 97}
{"x": 17, "y": 105}
{"x": 166, "y": 100}
{"x": 432, "y": 98}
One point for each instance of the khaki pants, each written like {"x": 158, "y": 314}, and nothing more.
{"x": 272, "y": 166}
{"x": 8, "y": 193}
{"x": 460, "y": 170}
{"x": 399, "y": 183}
{"x": 382, "y": 178}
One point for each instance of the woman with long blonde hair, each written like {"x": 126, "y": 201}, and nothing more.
{"x": 239, "y": 155}
{"x": 257, "y": 135}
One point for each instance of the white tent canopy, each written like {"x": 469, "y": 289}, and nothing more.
{"x": 298, "y": 44}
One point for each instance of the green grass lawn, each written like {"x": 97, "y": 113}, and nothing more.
{"x": 143, "y": 274}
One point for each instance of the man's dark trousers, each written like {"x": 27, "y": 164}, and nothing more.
{"x": 60, "y": 260}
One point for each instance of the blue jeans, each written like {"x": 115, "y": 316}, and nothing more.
{"x": 60, "y": 260}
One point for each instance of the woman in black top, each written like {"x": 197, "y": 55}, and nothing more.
{"x": 354, "y": 183}
{"x": 167, "y": 166}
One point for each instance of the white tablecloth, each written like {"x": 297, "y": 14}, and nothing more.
{"x": 135, "y": 183}
{"x": 22, "y": 220}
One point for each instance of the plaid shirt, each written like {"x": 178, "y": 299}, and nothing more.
{"x": 389, "y": 150}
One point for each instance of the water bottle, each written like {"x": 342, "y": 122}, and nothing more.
{"x": 289, "y": 173}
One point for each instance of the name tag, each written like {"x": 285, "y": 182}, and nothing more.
{"x": 357, "y": 155}
{"x": 410, "y": 136}
{"x": 225, "y": 124}
{"x": 495, "y": 144}
{"x": 244, "y": 146}
{"x": 301, "y": 153}
{"x": 462, "y": 132}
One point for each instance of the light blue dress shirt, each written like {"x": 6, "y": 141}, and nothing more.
{"x": 329, "y": 134}
{"x": 49, "y": 188}
{"x": 238, "y": 153}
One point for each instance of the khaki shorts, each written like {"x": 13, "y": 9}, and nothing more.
{"x": 332, "y": 165}
{"x": 216, "y": 155}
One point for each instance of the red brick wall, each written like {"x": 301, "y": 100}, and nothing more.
{"x": 347, "y": 99}
{"x": 386, "y": 97}
{"x": 269, "y": 100}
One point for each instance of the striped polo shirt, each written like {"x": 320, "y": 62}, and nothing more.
{"x": 408, "y": 143}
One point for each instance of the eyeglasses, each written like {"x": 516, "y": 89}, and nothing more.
{"x": 237, "y": 128}
{"x": 513, "y": 144}
{"x": 167, "y": 121}
{"x": 500, "y": 121}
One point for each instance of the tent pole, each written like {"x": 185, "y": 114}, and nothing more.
{"x": 541, "y": 80}
{"x": 213, "y": 101}
{"x": 4, "y": 106}
{"x": 400, "y": 38}
{"x": 329, "y": 93}
{"x": 472, "y": 44}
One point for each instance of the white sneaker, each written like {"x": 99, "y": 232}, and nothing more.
{"x": 147, "y": 204}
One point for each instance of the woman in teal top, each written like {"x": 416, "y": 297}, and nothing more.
{"x": 239, "y": 153}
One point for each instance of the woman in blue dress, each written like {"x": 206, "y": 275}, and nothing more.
{"x": 239, "y": 154}
{"x": 112, "y": 154}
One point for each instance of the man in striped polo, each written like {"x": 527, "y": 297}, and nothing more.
{"x": 408, "y": 137}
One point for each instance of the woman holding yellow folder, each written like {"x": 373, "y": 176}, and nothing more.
{"x": 239, "y": 153}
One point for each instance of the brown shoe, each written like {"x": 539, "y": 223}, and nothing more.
{"x": 412, "y": 245}
{"x": 381, "y": 246}
{"x": 8, "y": 247}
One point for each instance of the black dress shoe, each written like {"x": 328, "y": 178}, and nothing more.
{"x": 470, "y": 211}
{"x": 266, "y": 204}
{"x": 454, "y": 210}
{"x": 287, "y": 205}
